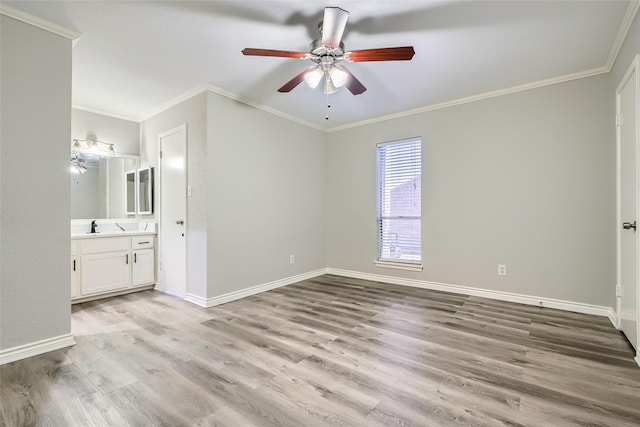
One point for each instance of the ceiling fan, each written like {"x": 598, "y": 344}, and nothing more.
{"x": 328, "y": 51}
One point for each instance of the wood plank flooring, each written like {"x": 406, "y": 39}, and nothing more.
{"x": 329, "y": 351}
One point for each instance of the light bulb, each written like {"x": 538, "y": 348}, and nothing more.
{"x": 313, "y": 77}
{"x": 338, "y": 76}
{"x": 93, "y": 145}
{"x": 329, "y": 88}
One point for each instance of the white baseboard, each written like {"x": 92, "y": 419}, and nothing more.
{"x": 36, "y": 348}
{"x": 577, "y": 307}
{"x": 232, "y": 296}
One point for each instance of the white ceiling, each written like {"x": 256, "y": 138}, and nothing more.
{"x": 134, "y": 57}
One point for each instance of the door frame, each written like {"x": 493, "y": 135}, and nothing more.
{"x": 635, "y": 67}
{"x": 180, "y": 128}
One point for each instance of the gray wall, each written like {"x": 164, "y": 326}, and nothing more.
{"x": 258, "y": 193}
{"x": 124, "y": 134}
{"x": 525, "y": 179}
{"x": 192, "y": 113}
{"x": 34, "y": 184}
{"x": 266, "y": 197}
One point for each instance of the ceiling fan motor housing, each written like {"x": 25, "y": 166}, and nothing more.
{"x": 318, "y": 50}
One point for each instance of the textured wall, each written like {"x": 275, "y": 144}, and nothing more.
{"x": 124, "y": 134}
{"x": 34, "y": 184}
{"x": 525, "y": 179}
{"x": 266, "y": 185}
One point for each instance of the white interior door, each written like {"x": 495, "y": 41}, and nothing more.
{"x": 172, "y": 270}
{"x": 628, "y": 186}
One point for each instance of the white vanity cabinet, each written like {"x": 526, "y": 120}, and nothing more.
{"x": 75, "y": 271}
{"x": 144, "y": 267}
{"x": 106, "y": 266}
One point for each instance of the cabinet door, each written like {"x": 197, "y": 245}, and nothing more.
{"x": 75, "y": 277}
{"x": 143, "y": 267}
{"x": 104, "y": 272}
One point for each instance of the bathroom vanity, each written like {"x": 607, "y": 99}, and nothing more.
{"x": 111, "y": 263}
{"x": 112, "y": 248}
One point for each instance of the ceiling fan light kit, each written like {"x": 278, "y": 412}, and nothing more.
{"x": 327, "y": 52}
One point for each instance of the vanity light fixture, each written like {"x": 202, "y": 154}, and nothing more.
{"x": 93, "y": 146}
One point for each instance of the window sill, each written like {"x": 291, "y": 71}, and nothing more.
{"x": 398, "y": 265}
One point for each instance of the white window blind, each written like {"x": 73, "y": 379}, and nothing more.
{"x": 399, "y": 173}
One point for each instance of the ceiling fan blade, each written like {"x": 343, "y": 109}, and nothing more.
{"x": 335, "y": 20}
{"x": 404, "y": 53}
{"x": 291, "y": 84}
{"x": 353, "y": 84}
{"x": 271, "y": 52}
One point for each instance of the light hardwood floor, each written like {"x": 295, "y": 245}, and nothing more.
{"x": 327, "y": 351}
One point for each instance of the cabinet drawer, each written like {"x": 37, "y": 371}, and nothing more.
{"x": 142, "y": 242}
{"x": 108, "y": 244}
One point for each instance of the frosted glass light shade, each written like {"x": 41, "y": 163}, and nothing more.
{"x": 338, "y": 76}
{"x": 313, "y": 77}
{"x": 329, "y": 87}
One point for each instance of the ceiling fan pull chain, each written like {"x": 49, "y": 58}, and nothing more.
{"x": 328, "y": 106}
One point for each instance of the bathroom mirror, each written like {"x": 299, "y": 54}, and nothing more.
{"x": 99, "y": 191}
{"x": 130, "y": 192}
{"x": 145, "y": 191}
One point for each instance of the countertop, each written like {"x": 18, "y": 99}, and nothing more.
{"x": 86, "y": 235}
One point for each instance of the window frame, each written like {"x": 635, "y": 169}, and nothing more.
{"x": 402, "y": 264}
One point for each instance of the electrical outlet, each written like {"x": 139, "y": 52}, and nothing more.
{"x": 502, "y": 269}
{"x": 292, "y": 259}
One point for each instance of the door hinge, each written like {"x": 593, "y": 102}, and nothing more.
{"x": 161, "y": 150}
{"x": 619, "y": 119}
{"x": 618, "y": 290}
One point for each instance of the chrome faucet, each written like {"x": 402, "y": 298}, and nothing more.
{"x": 93, "y": 226}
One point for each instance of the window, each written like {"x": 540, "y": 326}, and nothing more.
{"x": 399, "y": 173}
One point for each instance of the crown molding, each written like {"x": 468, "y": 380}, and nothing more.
{"x": 208, "y": 87}
{"x": 475, "y": 98}
{"x": 625, "y": 26}
{"x": 273, "y": 111}
{"x": 106, "y": 113}
{"x": 39, "y": 22}
{"x": 173, "y": 102}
